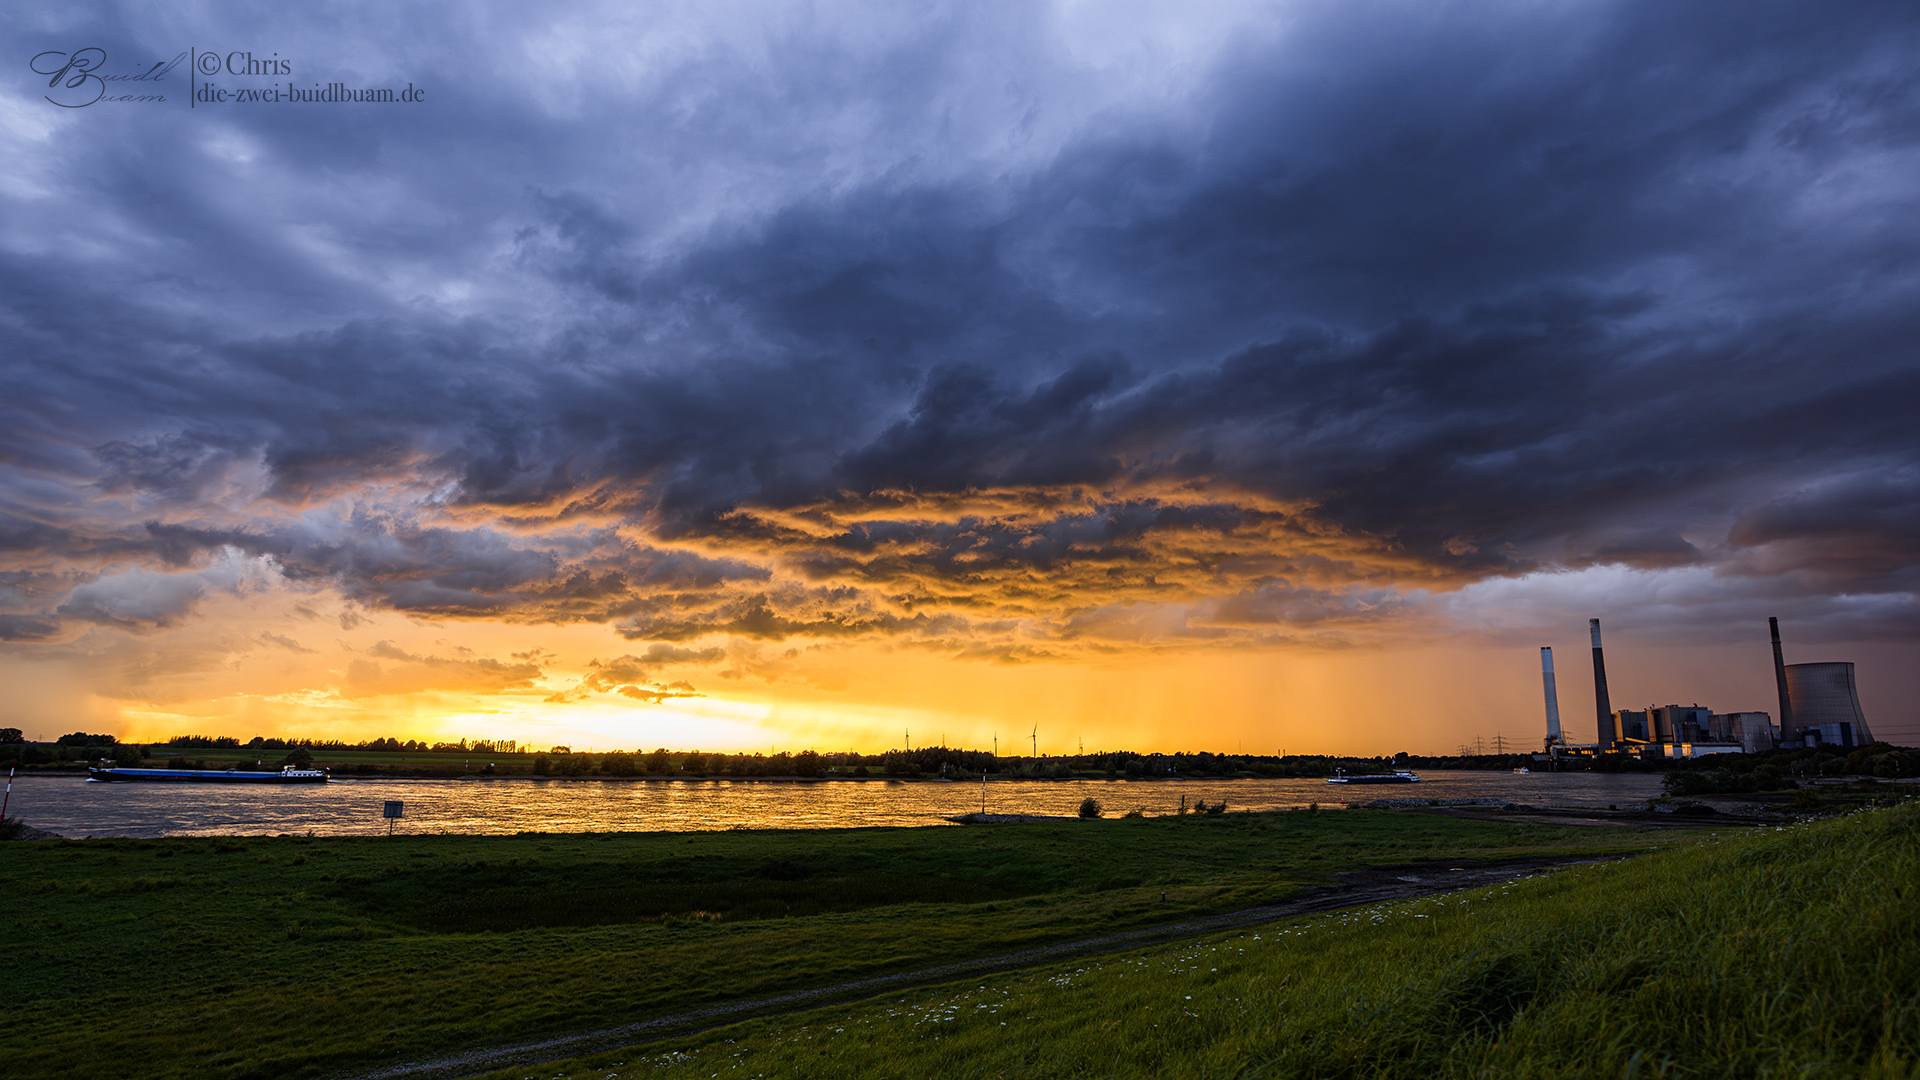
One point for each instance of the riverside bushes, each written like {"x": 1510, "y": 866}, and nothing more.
{"x": 1723, "y": 781}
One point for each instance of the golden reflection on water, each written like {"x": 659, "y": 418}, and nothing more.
{"x": 73, "y": 807}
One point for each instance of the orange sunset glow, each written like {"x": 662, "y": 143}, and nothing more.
{"x": 1186, "y": 391}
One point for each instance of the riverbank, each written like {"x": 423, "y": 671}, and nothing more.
{"x": 1350, "y": 889}
{"x": 289, "y": 956}
{"x": 1771, "y": 952}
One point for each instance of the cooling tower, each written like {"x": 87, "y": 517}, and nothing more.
{"x": 1602, "y": 707}
{"x": 1823, "y": 695}
{"x": 1553, "y": 695}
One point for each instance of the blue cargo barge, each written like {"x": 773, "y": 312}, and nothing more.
{"x": 291, "y": 774}
{"x": 1398, "y": 776}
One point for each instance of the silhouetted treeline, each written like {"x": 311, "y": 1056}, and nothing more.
{"x": 76, "y": 747}
{"x": 953, "y": 763}
{"x": 390, "y": 745}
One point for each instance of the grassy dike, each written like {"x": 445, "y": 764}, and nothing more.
{"x": 298, "y": 956}
{"x": 1783, "y": 952}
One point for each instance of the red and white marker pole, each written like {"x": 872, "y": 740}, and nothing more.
{"x": 9, "y": 795}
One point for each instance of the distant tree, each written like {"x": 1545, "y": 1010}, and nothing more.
{"x": 618, "y": 763}
{"x": 807, "y": 763}
{"x": 542, "y": 765}
{"x": 81, "y": 738}
{"x": 1090, "y": 808}
{"x": 694, "y": 764}
{"x": 11, "y": 736}
{"x": 299, "y": 756}
{"x": 658, "y": 763}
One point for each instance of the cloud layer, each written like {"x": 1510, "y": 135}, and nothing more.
{"x": 1007, "y": 334}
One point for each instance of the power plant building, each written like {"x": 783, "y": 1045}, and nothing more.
{"x": 1819, "y": 706}
{"x": 1826, "y": 706}
{"x": 1682, "y": 724}
{"x": 1678, "y": 731}
{"x": 1753, "y": 731}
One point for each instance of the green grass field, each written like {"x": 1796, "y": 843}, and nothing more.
{"x": 288, "y": 956}
{"x": 1785, "y": 952}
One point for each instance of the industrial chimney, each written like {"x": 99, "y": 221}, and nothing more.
{"x": 1787, "y": 729}
{"x": 1602, "y": 706}
{"x": 1553, "y": 696}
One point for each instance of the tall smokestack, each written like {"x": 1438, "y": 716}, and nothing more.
{"x": 1780, "y": 680}
{"x": 1601, "y": 704}
{"x": 1553, "y": 695}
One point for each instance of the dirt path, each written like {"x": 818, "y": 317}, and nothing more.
{"x": 1356, "y": 888}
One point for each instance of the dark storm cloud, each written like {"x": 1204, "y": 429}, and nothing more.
{"x": 1844, "y": 529}
{"x": 1384, "y": 302}
{"x": 593, "y": 575}
{"x": 28, "y": 628}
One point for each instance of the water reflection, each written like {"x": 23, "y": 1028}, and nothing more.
{"x": 73, "y": 807}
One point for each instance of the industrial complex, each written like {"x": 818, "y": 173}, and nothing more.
{"x": 1819, "y": 706}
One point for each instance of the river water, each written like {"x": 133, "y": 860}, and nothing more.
{"x": 74, "y": 807}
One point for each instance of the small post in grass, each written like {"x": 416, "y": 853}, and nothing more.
{"x": 9, "y": 796}
{"x": 983, "y": 791}
{"x": 393, "y": 812}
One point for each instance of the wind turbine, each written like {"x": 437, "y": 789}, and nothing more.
{"x": 1036, "y": 740}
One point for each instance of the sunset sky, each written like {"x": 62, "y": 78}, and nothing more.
{"x": 1238, "y": 376}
